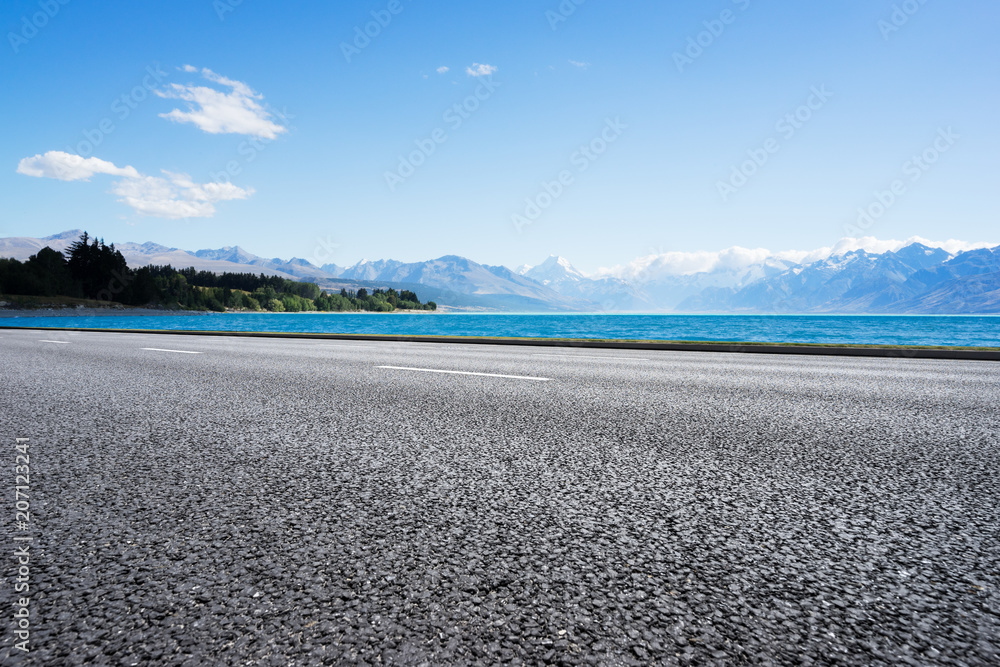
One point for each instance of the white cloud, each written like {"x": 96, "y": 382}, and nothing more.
{"x": 577, "y": 63}
{"x": 736, "y": 258}
{"x": 175, "y": 196}
{"x": 442, "y": 69}
{"x": 233, "y": 111}
{"x": 479, "y": 69}
{"x": 69, "y": 167}
{"x": 678, "y": 263}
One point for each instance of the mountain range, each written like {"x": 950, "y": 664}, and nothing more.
{"x": 915, "y": 277}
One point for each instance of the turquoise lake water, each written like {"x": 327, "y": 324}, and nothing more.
{"x": 866, "y": 329}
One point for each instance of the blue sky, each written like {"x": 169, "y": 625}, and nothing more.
{"x": 290, "y": 155}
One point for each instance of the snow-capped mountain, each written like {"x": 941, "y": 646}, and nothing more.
{"x": 143, "y": 254}
{"x": 296, "y": 267}
{"x": 554, "y": 269}
{"x": 496, "y": 284}
{"x": 853, "y": 276}
{"x": 607, "y": 293}
{"x": 23, "y": 247}
{"x": 861, "y": 282}
{"x": 366, "y": 269}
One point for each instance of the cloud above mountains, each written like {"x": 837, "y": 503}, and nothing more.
{"x": 173, "y": 196}
{"x": 233, "y": 111}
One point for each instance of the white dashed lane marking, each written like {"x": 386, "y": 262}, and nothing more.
{"x": 489, "y": 375}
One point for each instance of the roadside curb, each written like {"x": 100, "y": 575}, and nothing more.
{"x": 908, "y": 352}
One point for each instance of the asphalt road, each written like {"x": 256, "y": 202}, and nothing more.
{"x": 250, "y": 501}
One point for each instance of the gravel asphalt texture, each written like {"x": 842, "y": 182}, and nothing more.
{"x": 289, "y": 502}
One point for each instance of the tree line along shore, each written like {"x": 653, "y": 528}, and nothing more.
{"x": 92, "y": 273}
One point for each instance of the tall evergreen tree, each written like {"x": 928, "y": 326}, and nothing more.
{"x": 101, "y": 270}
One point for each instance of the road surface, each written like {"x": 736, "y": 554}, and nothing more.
{"x": 256, "y": 501}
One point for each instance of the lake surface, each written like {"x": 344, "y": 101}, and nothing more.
{"x": 863, "y": 329}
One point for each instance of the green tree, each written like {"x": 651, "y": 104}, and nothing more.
{"x": 52, "y": 273}
{"x": 100, "y": 270}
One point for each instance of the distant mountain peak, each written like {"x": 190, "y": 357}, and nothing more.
{"x": 554, "y": 269}
{"x": 65, "y": 236}
{"x": 558, "y": 260}
{"x": 230, "y": 254}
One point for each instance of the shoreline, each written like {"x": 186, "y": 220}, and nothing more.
{"x": 447, "y": 310}
{"x": 13, "y": 313}
{"x": 9, "y": 313}
{"x": 780, "y": 348}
